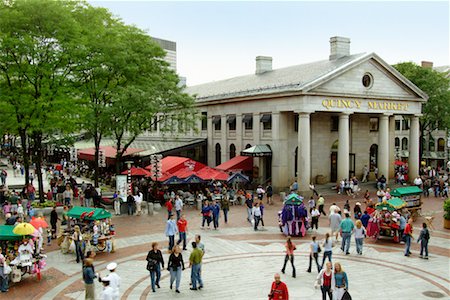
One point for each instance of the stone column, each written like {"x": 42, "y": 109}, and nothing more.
{"x": 383, "y": 145}
{"x": 343, "y": 167}
{"x": 280, "y": 157}
{"x": 223, "y": 138}
{"x": 414, "y": 140}
{"x": 239, "y": 134}
{"x": 304, "y": 151}
{"x": 391, "y": 146}
{"x": 256, "y": 137}
{"x": 210, "y": 142}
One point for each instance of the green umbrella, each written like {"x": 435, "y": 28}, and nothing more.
{"x": 293, "y": 199}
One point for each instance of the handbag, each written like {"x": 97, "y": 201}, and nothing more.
{"x": 346, "y": 296}
{"x": 319, "y": 249}
{"x": 151, "y": 265}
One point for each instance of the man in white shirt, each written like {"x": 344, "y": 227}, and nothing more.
{"x": 138, "y": 200}
{"x": 418, "y": 182}
{"x": 114, "y": 281}
{"x": 107, "y": 292}
{"x": 178, "y": 206}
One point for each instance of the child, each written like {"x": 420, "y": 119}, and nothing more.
{"x": 20, "y": 211}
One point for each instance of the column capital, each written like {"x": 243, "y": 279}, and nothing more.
{"x": 384, "y": 116}
{"x": 387, "y": 114}
{"x": 303, "y": 112}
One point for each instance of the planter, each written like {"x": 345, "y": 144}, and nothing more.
{"x": 446, "y": 224}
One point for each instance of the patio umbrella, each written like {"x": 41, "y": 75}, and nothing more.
{"x": 399, "y": 163}
{"x": 24, "y": 229}
{"x": 38, "y": 222}
{"x": 137, "y": 172}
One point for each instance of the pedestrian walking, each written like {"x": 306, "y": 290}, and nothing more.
{"x": 169, "y": 207}
{"x": 178, "y": 206}
{"x": 155, "y": 262}
{"x": 249, "y": 205}
{"x": 315, "y": 214}
{"x": 325, "y": 280}
{"x": 365, "y": 173}
{"x": 335, "y": 221}
{"x": 341, "y": 282}
{"x": 182, "y": 230}
{"x": 424, "y": 237}
{"x": 261, "y": 208}
{"x": 407, "y": 234}
{"x": 195, "y": 262}
{"x": 77, "y": 239}
{"x": 279, "y": 289}
{"x": 206, "y": 214}
{"x": 225, "y": 204}
{"x": 327, "y": 249}
{"x": 130, "y": 204}
{"x": 260, "y": 192}
{"x": 321, "y": 204}
{"x": 88, "y": 278}
{"x": 311, "y": 204}
{"x": 175, "y": 266}
{"x": 53, "y": 221}
{"x": 360, "y": 234}
{"x": 269, "y": 193}
{"x": 290, "y": 248}
{"x": 171, "y": 230}
{"x": 313, "y": 189}
{"x": 314, "y": 249}
{"x": 68, "y": 195}
{"x": 346, "y": 227}
{"x": 215, "y": 214}
{"x": 256, "y": 213}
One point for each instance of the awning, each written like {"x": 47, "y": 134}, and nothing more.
{"x": 266, "y": 118}
{"x": 238, "y": 178}
{"x": 109, "y": 151}
{"x": 231, "y": 119}
{"x": 212, "y": 174}
{"x": 239, "y": 162}
{"x": 171, "y": 164}
{"x": 257, "y": 151}
{"x": 216, "y": 119}
{"x": 247, "y": 118}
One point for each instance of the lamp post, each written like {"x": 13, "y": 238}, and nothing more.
{"x": 129, "y": 162}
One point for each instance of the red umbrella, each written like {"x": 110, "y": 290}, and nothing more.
{"x": 137, "y": 172}
{"x": 399, "y": 163}
{"x": 38, "y": 222}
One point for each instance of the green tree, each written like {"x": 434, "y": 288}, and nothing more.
{"x": 38, "y": 53}
{"x": 436, "y": 111}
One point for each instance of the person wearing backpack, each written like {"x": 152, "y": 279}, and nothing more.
{"x": 423, "y": 239}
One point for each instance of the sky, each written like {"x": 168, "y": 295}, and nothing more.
{"x": 219, "y": 40}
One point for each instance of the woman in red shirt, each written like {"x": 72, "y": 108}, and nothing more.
{"x": 408, "y": 236}
{"x": 290, "y": 248}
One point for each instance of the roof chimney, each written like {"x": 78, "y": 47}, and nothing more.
{"x": 263, "y": 64}
{"x": 339, "y": 47}
{"x": 427, "y": 64}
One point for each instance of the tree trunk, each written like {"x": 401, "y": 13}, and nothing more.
{"x": 25, "y": 154}
{"x": 96, "y": 167}
{"x": 38, "y": 159}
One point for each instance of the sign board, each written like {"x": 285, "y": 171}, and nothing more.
{"x": 122, "y": 186}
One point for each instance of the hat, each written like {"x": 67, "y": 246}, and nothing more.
{"x": 357, "y": 203}
{"x": 111, "y": 266}
{"x": 395, "y": 214}
{"x": 394, "y": 220}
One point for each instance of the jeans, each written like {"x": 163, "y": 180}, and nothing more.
{"x": 171, "y": 241}
{"x": 79, "y": 252}
{"x": 207, "y": 219}
{"x": 326, "y": 290}
{"x": 325, "y": 255}
{"x": 225, "y": 215}
{"x": 4, "y": 282}
{"x": 182, "y": 238}
{"x": 175, "y": 274}
{"x": 291, "y": 258}
{"x": 130, "y": 209}
{"x": 359, "y": 245}
{"x": 216, "y": 221}
{"x": 87, "y": 202}
{"x": 178, "y": 214}
{"x": 67, "y": 201}
{"x": 346, "y": 241}
{"x": 196, "y": 275}
{"x": 424, "y": 247}
{"x": 408, "y": 244}
{"x": 257, "y": 219}
{"x": 156, "y": 272}
{"x": 249, "y": 214}
{"x": 316, "y": 257}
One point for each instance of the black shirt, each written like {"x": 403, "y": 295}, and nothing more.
{"x": 156, "y": 256}
{"x": 176, "y": 261}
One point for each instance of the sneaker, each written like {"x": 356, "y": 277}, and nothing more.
{"x": 193, "y": 289}
{"x": 426, "y": 257}
{"x": 157, "y": 285}
{"x": 170, "y": 286}
{"x": 200, "y": 287}
{"x": 177, "y": 291}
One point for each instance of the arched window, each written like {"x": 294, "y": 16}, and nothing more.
{"x": 397, "y": 142}
{"x": 441, "y": 145}
{"x": 404, "y": 144}
{"x": 218, "y": 155}
{"x": 232, "y": 151}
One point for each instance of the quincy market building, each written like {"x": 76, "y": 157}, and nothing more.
{"x": 320, "y": 121}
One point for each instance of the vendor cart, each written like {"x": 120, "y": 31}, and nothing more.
{"x": 293, "y": 218}
{"x": 412, "y": 195}
{"x": 387, "y": 216}
{"x": 96, "y": 227}
{"x": 20, "y": 253}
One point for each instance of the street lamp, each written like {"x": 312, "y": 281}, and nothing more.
{"x": 129, "y": 162}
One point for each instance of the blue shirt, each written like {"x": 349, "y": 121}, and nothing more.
{"x": 347, "y": 225}
{"x": 341, "y": 279}
{"x": 88, "y": 275}
{"x": 365, "y": 219}
{"x": 216, "y": 209}
{"x": 171, "y": 228}
{"x": 402, "y": 222}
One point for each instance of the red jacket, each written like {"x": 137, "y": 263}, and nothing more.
{"x": 169, "y": 205}
{"x": 182, "y": 224}
{"x": 279, "y": 291}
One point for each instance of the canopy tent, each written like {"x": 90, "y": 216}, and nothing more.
{"x": 171, "y": 164}
{"x": 7, "y": 234}
{"x": 405, "y": 191}
{"x": 238, "y": 177}
{"x": 257, "y": 151}
{"x": 208, "y": 173}
{"x": 173, "y": 180}
{"x": 244, "y": 163}
{"x": 293, "y": 199}
{"x": 109, "y": 151}
{"x": 88, "y": 213}
{"x": 138, "y": 172}
{"x": 193, "y": 179}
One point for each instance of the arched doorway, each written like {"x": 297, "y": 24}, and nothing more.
{"x": 333, "y": 161}
{"x": 232, "y": 151}
{"x": 218, "y": 154}
{"x": 373, "y": 157}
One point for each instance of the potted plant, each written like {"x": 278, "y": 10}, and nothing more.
{"x": 447, "y": 214}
